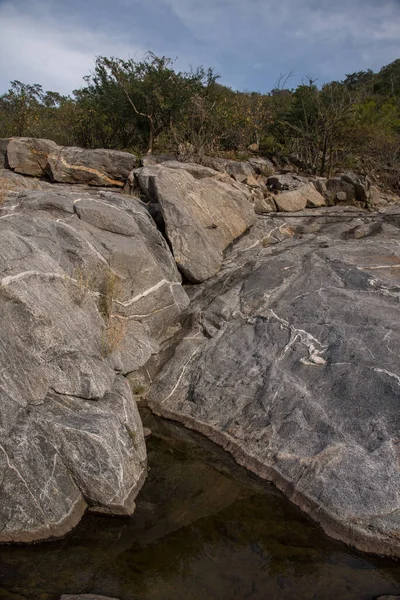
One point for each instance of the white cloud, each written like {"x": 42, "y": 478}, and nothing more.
{"x": 39, "y": 48}
{"x": 249, "y": 42}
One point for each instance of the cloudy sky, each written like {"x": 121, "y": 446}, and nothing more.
{"x": 249, "y": 42}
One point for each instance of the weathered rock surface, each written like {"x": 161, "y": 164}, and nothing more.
{"x": 201, "y": 217}
{"x": 13, "y": 182}
{"x": 286, "y": 181}
{"x": 292, "y": 201}
{"x": 44, "y": 158}
{"x": 240, "y": 171}
{"x": 262, "y": 166}
{"x": 88, "y": 291}
{"x": 291, "y": 363}
{"x": 197, "y": 171}
{"x": 348, "y": 188}
{"x": 92, "y": 167}
{"x": 30, "y": 156}
{"x": 299, "y": 198}
{"x": 264, "y": 205}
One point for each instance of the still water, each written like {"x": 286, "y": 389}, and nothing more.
{"x": 204, "y": 529}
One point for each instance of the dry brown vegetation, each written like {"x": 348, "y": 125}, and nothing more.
{"x": 115, "y": 328}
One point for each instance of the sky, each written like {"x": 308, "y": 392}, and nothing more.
{"x": 250, "y": 43}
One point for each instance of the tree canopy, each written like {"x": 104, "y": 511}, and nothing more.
{"x": 148, "y": 106}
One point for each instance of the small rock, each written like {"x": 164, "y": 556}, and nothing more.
{"x": 252, "y": 181}
{"x": 147, "y": 432}
{"x": 282, "y": 182}
{"x": 240, "y": 171}
{"x": 262, "y": 166}
{"x": 341, "y": 196}
{"x": 264, "y": 205}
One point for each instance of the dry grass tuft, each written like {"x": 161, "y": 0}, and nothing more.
{"x": 110, "y": 289}
{"x": 115, "y": 329}
{"x": 113, "y": 335}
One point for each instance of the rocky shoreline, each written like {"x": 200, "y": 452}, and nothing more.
{"x": 281, "y": 345}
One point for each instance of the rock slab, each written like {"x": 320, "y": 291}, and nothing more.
{"x": 44, "y": 158}
{"x": 201, "y": 217}
{"x": 291, "y": 363}
{"x": 88, "y": 291}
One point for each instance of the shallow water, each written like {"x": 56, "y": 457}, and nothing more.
{"x": 204, "y": 529}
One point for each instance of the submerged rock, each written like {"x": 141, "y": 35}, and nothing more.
{"x": 291, "y": 364}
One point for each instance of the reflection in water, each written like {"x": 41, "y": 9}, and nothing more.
{"x": 204, "y": 529}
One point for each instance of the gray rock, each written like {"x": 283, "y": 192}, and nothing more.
{"x": 240, "y": 171}
{"x": 88, "y": 292}
{"x": 14, "y": 182}
{"x": 92, "y": 167}
{"x": 43, "y": 158}
{"x": 201, "y": 217}
{"x": 30, "y": 156}
{"x": 197, "y": 171}
{"x": 264, "y": 205}
{"x": 291, "y": 363}
{"x": 215, "y": 163}
{"x": 155, "y": 159}
{"x": 282, "y": 182}
{"x": 348, "y": 188}
{"x": 262, "y": 166}
{"x": 320, "y": 185}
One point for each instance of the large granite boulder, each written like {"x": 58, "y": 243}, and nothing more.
{"x": 30, "y": 156}
{"x": 92, "y": 167}
{"x": 88, "y": 291}
{"x": 290, "y": 361}
{"x": 44, "y": 158}
{"x": 201, "y": 217}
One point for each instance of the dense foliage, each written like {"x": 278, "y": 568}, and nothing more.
{"x": 147, "y": 106}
